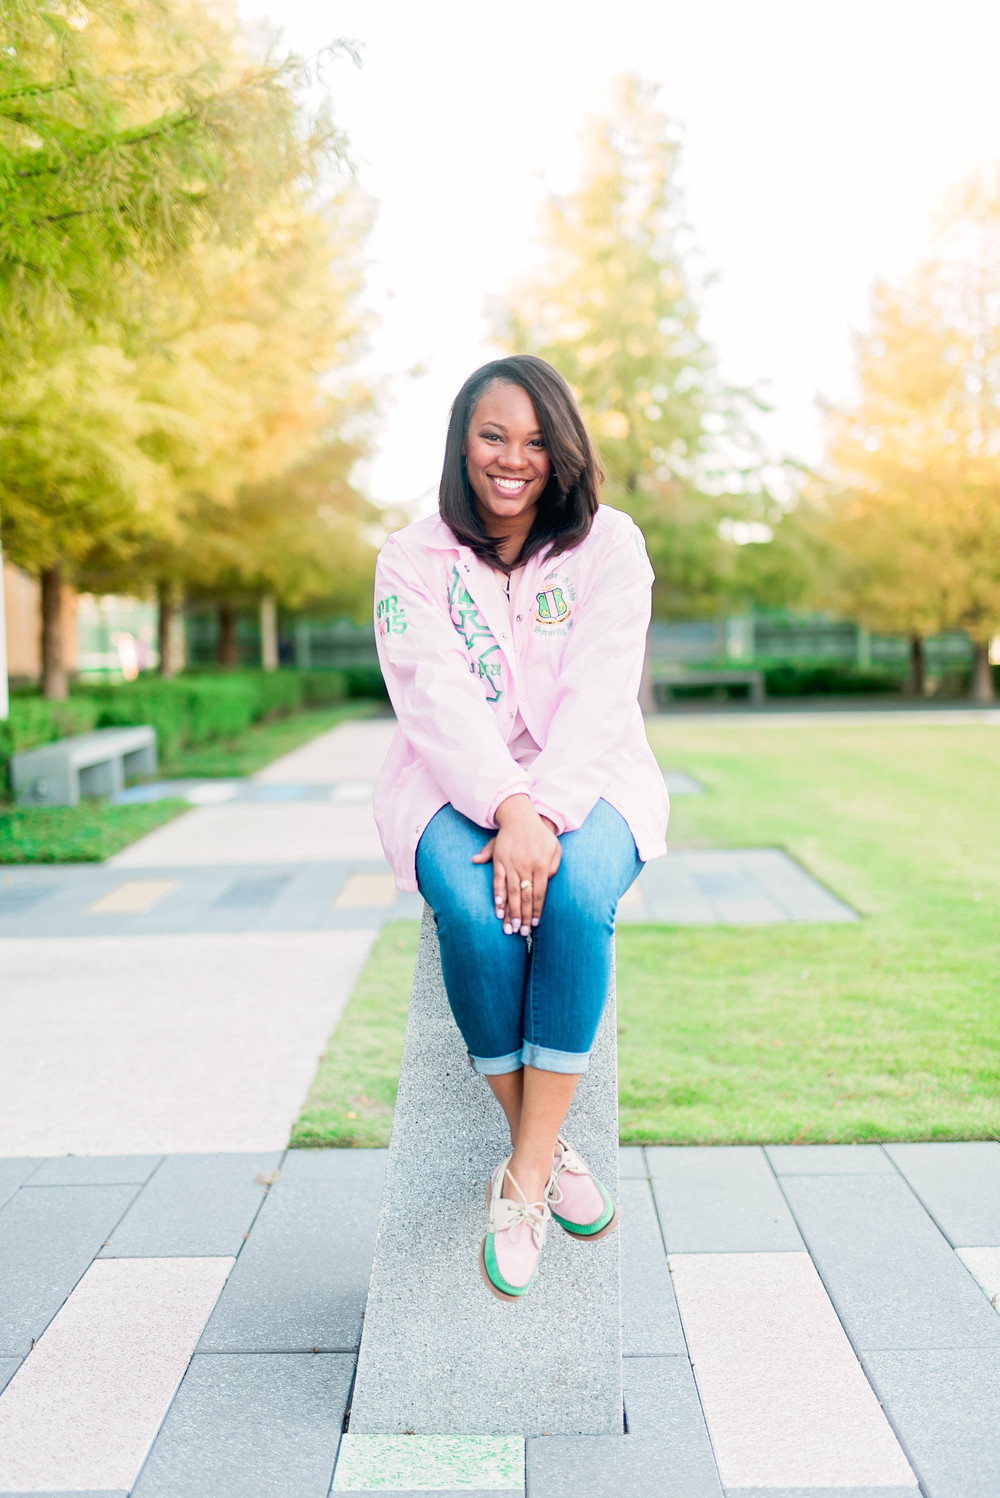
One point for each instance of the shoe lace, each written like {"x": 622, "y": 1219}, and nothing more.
{"x": 524, "y": 1214}
{"x": 553, "y": 1191}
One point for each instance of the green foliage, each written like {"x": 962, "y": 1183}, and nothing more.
{"x": 186, "y": 711}
{"x": 365, "y": 681}
{"x": 129, "y": 129}
{"x": 87, "y": 833}
{"x": 198, "y": 708}
{"x": 614, "y": 309}
{"x": 821, "y": 677}
{"x": 260, "y": 744}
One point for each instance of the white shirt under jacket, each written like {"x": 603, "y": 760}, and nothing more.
{"x": 539, "y": 696}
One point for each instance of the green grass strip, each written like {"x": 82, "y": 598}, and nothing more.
{"x": 87, "y": 833}
{"x": 352, "y": 1097}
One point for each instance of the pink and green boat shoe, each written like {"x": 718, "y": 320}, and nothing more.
{"x": 509, "y": 1255}
{"x": 577, "y": 1200}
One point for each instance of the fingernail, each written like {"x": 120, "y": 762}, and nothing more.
{"x": 508, "y": 929}
{"x": 534, "y": 920}
{"x": 499, "y": 912}
{"x": 516, "y": 925}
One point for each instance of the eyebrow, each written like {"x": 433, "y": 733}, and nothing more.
{"x": 535, "y": 431}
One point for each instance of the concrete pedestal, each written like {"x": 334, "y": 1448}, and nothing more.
{"x": 440, "y": 1355}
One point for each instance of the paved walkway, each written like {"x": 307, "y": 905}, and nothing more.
{"x": 181, "y": 1300}
{"x": 822, "y": 1328}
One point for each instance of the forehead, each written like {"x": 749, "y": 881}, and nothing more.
{"x": 508, "y": 406}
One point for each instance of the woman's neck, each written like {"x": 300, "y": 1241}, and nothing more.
{"x": 509, "y": 534}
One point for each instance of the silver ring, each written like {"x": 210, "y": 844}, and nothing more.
{"x": 525, "y": 883}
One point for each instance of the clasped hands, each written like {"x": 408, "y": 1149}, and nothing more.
{"x": 525, "y": 854}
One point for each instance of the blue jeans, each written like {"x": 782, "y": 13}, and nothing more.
{"x": 519, "y": 1004}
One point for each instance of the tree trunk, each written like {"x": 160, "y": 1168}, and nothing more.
{"x": 268, "y": 633}
{"x": 982, "y": 673}
{"x": 55, "y": 685}
{"x": 228, "y": 651}
{"x": 165, "y": 630}
{"x": 918, "y": 666}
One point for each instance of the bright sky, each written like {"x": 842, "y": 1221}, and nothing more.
{"x": 818, "y": 137}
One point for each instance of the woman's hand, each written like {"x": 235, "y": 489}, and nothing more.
{"x": 525, "y": 848}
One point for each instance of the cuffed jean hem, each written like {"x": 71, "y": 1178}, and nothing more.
{"x": 543, "y": 1059}
{"x": 497, "y": 1066}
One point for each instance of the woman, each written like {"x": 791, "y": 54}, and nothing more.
{"x": 520, "y": 795}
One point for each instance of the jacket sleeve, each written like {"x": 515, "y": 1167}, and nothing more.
{"x": 598, "y": 688}
{"x": 439, "y": 704}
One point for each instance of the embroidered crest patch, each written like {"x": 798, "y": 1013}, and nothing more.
{"x": 554, "y": 605}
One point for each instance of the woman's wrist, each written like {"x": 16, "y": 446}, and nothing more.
{"x": 516, "y": 808}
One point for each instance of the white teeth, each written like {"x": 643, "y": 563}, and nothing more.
{"x": 511, "y": 484}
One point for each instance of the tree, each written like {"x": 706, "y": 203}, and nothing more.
{"x": 613, "y": 308}
{"x": 914, "y": 512}
{"x": 129, "y": 129}
{"x": 136, "y": 136}
{"x": 266, "y": 356}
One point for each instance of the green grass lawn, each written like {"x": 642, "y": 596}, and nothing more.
{"x": 87, "y": 833}
{"x": 888, "y": 1029}
{"x": 95, "y": 830}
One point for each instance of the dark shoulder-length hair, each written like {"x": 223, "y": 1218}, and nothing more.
{"x": 569, "y": 501}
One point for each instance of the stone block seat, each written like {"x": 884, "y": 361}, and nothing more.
{"x": 439, "y": 1355}
{"x": 87, "y": 764}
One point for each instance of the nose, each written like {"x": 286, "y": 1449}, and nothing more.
{"x": 515, "y": 456}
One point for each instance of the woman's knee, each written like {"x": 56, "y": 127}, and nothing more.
{"x": 579, "y": 894}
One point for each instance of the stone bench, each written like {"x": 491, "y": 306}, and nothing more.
{"x": 664, "y": 682}
{"x": 87, "y": 764}
{"x": 439, "y": 1355}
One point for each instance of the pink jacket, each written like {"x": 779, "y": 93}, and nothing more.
{"x": 460, "y": 665}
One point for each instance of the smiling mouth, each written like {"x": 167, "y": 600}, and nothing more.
{"x": 508, "y": 486}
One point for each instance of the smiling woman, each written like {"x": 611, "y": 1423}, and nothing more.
{"x": 520, "y": 795}
{"x": 520, "y": 472}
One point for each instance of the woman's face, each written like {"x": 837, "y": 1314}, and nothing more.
{"x": 505, "y": 456}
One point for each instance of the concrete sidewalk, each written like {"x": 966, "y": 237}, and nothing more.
{"x": 187, "y": 1326}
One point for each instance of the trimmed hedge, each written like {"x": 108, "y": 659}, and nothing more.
{"x": 185, "y": 710}
{"x": 819, "y": 678}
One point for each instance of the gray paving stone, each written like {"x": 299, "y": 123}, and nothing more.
{"x": 890, "y": 1273}
{"x": 661, "y": 1401}
{"x": 72, "y": 1493}
{"x": 415, "y": 1492}
{"x": 302, "y": 1278}
{"x": 13, "y": 1173}
{"x": 96, "y": 1170}
{"x": 200, "y": 1205}
{"x": 554, "y": 1359}
{"x": 910, "y": 1492}
{"x": 612, "y": 1467}
{"x": 48, "y": 1238}
{"x": 650, "y": 1321}
{"x": 345, "y": 1168}
{"x": 945, "y": 1407}
{"x": 8, "y": 1367}
{"x": 959, "y": 1184}
{"x": 632, "y": 1163}
{"x": 828, "y": 1159}
{"x": 260, "y": 1424}
{"x": 673, "y": 894}
{"x": 720, "y": 1199}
